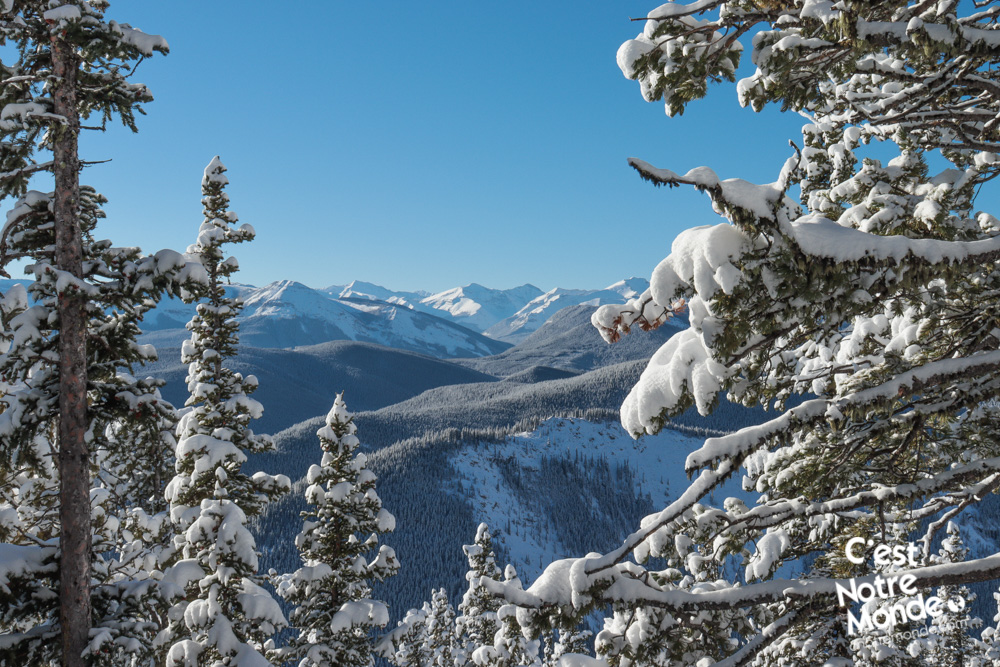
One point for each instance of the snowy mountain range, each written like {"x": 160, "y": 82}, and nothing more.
{"x": 470, "y": 321}
{"x": 462, "y": 322}
{"x": 508, "y": 315}
{"x": 536, "y": 312}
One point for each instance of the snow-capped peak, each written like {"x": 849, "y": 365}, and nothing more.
{"x": 526, "y": 320}
{"x": 479, "y": 307}
{"x": 629, "y": 288}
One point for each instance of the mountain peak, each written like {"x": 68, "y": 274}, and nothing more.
{"x": 630, "y": 287}
{"x": 364, "y": 287}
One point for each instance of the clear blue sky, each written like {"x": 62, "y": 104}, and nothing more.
{"x": 417, "y": 145}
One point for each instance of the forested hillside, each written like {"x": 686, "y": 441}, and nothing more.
{"x": 428, "y": 449}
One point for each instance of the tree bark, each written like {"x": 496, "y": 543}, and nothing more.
{"x": 74, "y": 458}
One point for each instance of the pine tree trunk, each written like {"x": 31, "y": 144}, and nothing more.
{"x": 74, "y": 459}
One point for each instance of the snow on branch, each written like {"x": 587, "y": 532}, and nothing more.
{"x": 980, "y": 473}
{"x": 739, "y": 444}
{"x": 816, "y": 235}
{"x": 561, "y": 585}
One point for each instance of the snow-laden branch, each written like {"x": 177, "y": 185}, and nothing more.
{"x": 561, "y": 585}
{"x": 981, "y": 473}
{"x": 818, "y": 236}
{"x": 761, "y": 640}
{"x": 744, "y": 441}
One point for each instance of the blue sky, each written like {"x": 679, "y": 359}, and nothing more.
{"x": 417, "y": 145}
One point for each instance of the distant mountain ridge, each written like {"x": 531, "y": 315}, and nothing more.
{"x": 286, "y": 314}
{"x": 509, "y": 315}
{"x": 462, "y": 322}
{"x": 480, "y": 307}
{"x": 536, "y": 312}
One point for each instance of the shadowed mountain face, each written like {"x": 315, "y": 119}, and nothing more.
{"x": 301, "y": 383}
{"x": 570, "y": 342}
{"x": 543, "y": 377}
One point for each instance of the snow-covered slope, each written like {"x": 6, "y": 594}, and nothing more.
{"x": 565, "y": 488}
{"x": 287, "y": 314}
{"x": 479, "y": 307}
{"x": 569, "y": 341}
{"x": 360, "y": 289}
{"x": 532, "y": 315}
{"x": 536, "y": 527}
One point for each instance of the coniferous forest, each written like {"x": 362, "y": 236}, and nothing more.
{"x": 780, "y": 450}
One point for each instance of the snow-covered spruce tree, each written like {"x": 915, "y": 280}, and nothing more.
{"x": 225, "y": 616}
{"x": 67, "y": 63}
{"x": 407, "y": 645}
{"x": 122, "y": 285}
{"x": 953, "y": 632}
{"x": 571, "y": 641}
{"x": 334, "y": 613}
{"x": 442, "y": 639}
{"x": 510, "y": 646}
{"x": 477, "y": 623}
{"x": 863, "y": 281}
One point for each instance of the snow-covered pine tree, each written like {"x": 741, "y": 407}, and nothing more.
{"x": 425, "y": 637}
{"x": 477, "y": 623}
{"x": 224, "y": 616}
{"x": 407, "y": 645}
{"x": 863, "y": 282}
{"x": 442, "y": 640}
{"x": 570, "y": 641}
{"x": 334, "y": 612}
{"x": 122, "y": 285}
{"x": 953, "y": 632}
{"x": 510, "y": 646}
{"x": 68, "y": 62}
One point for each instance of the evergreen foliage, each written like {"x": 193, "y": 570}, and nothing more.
{"x": 67, "y": 62}
{"x": 478, "y": 623}
{"x": 862, "y": 286}
{"x": 223, "y": 613}
{"x": 334, "y": 612}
